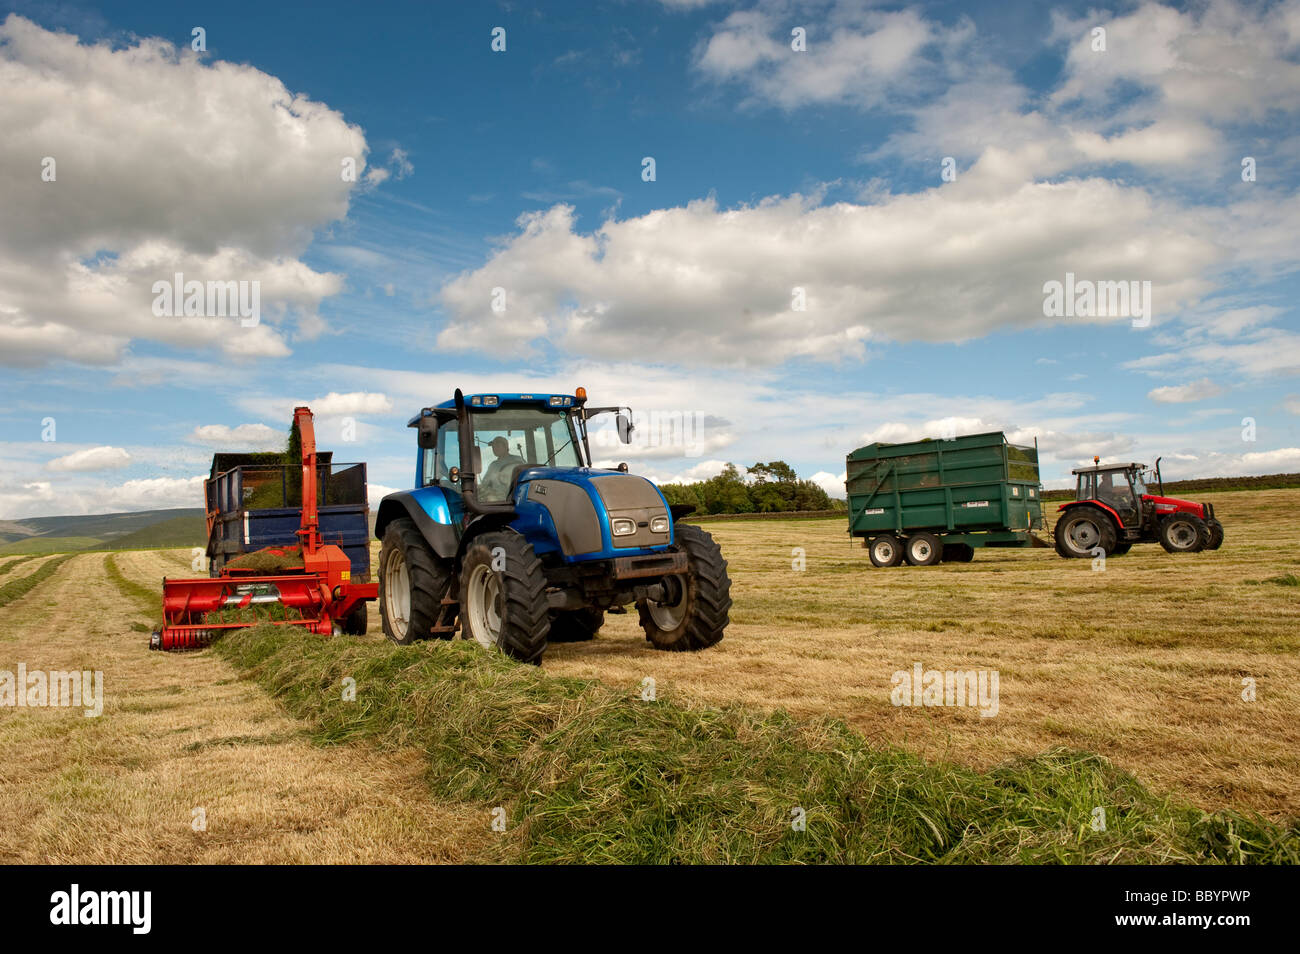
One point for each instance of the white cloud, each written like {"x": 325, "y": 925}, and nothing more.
{"x": 91, "y": 458}
{"x": 1185, "y": 393}
{"x": 834, "y": 486}
{"x": 152, "y": 493}
{"x": 353, "y": 404}
{"x": 853, "y": 54}
{"x": 251, "y": 437}
{"x": 151, "y": 146}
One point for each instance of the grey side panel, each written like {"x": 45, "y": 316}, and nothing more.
{"x": 441, "y": 537}
{"x": 572, "y": 512}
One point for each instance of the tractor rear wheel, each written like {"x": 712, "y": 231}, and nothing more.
{"x": 885, "y": 551}
{"x": 412, "y": 583}
{"x": 575, "y": 626}
{"x": 1216, "y": 533}
{"x": 958, "y": 553}
{"x": 693, "y": 614}
{"x": 1082, "y": 530}
{"x": 923, "y": 549}
{"x": 1183, "y": 533}
{"x": 503, "y": 596}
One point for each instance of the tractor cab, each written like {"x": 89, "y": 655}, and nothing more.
{"x": 1120, "y": 487}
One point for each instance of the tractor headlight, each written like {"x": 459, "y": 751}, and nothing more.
{"x": 659, "y": 525}
{"x": 623, "y": 527}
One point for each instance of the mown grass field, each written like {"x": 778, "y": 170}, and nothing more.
{"x": 1142, "y": 664}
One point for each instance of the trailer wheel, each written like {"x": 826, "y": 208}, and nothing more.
{"x": 923, "y": 549}
{"x": 693, "y": 614}
{"x": 1082, "y": 530}
{"x": 958, "y": 553}
{"x": 1216, "y": 534}
{"x": 575, "y": 626}
{"x": 412, "y": 583}
{"x": 885, "y": 551}
{"x": 503, "y": 596}
{"x": 1183, "y": 533}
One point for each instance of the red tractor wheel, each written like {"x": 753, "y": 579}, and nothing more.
{"x": 1082, "y": 530}
{"x": 1183, "y": 533}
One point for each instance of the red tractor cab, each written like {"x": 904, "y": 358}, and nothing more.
{"x": 1113, "y": 509}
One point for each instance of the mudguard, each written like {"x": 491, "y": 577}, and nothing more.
{"x": 429, "y": 510}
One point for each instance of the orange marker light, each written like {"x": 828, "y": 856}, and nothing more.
{"x": 581, "y": 394}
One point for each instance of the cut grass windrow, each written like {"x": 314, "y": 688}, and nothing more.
{"x": 591, "y": 774}
{"x": 19, "y": 562}
{"x": 20, "y": 587}
{"x": 149, "y": 600}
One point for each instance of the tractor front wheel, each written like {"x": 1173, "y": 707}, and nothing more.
{"x": 693, "y": 613}
{"x": 503, "y": 596}
{"x": 1216, "y": 534}
{"x": 1183, "y": 533}
{"x": 1081, "y": 531}
{"x": 412, "y": 583}
{"x": 885, "y": 551}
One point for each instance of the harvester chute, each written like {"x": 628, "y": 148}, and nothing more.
{"x": 320, "y": 595}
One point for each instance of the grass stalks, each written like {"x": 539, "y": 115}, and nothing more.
{"x": 590, "y": 774}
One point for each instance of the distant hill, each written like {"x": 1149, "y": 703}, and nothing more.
{"x": 109, "y": 531}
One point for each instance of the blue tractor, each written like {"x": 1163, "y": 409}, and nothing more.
{"x": 514, "y": 538}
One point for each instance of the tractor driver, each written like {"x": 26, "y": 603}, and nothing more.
{"x": 496, "y": 480}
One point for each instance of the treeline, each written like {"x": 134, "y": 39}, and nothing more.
{"x": 770, "y": 488}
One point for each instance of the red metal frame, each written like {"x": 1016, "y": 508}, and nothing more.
{"x": 322, "y": 593}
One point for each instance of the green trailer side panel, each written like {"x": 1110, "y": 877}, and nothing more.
{"x": 974, "y": 483}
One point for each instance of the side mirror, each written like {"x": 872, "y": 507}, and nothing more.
{"x": 428, "y": 433}
{"x": 625, "y": 428}
{"x": 454, "y": 475}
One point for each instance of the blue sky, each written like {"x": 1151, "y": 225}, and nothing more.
{"x": 776, "y": 170}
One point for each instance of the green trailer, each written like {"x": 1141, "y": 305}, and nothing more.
{"x": 933, "y": 500}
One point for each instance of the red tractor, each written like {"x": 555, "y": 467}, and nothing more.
{"x": 1112, "y": 510}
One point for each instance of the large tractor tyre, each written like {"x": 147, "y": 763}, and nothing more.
{"x": 885, "y": 551}
{"x": 1183, "y": 533}
{"x": 1121, "y": 548}
{"x": 575, "y": 626}
{"x": 357, "y": 622}
{"x": 694, "y": 616}
{"x": 958, "y": 553}
{"x": 923, "y": 549}
{"x": 1084, "y": 529}
{"x": 1216, "y": 534}
{"x": 503, "y": 596}
{"x": 412, "y": 584}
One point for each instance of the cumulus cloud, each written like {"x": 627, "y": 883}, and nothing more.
{"x": 833, "y": 485}
{"x": 711, "y": 284}
{"x": 144, "y": 185}
{"x": 1185, "y": 393}
{"x": 252, "y": 437}
{"x": 152, "y": 493}
{"x": 353, "y": 404}
{"x": 91, "y": 458}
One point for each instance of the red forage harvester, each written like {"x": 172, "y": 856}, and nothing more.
{"x": 318, "y": 596}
